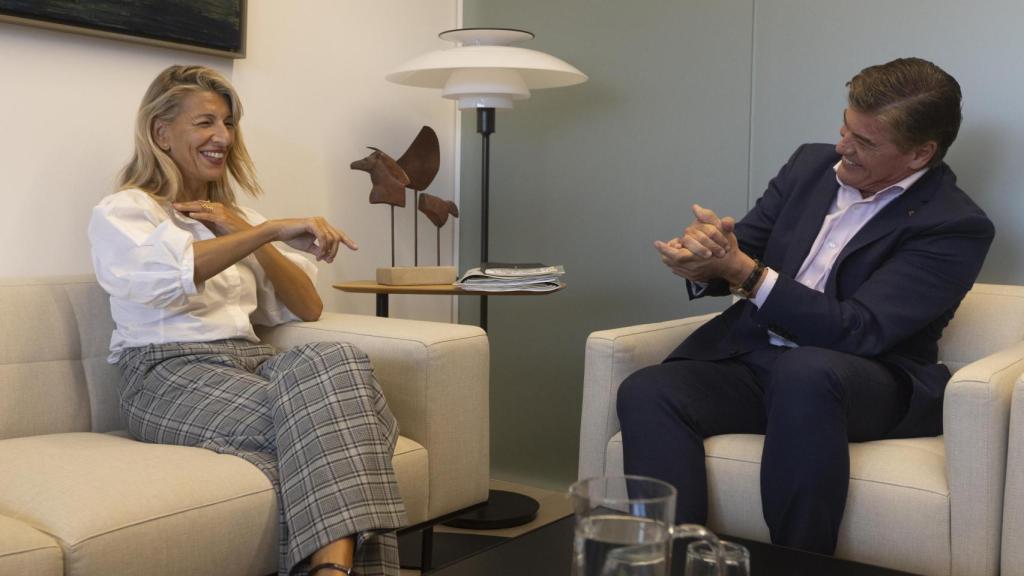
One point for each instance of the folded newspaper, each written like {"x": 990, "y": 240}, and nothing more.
{"x": 510, "y": 277}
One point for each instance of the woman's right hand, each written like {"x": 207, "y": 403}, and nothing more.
{"x": 313, "y": 235}
{"x": 218, "y": 218}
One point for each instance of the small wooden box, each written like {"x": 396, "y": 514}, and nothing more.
{"x": 415, "y": 275}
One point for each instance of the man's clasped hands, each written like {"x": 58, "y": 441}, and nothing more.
{"x": 707, "y": 250}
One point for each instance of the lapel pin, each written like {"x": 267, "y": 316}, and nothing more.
{"x": 910, "y": 212}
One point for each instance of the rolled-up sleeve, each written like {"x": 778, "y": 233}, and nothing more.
{"x": 270, "y": 311}
{"x": 138, "y": 252}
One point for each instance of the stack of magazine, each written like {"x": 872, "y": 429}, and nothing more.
{"x": 512, "y": 277}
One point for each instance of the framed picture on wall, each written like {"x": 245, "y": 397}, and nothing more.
{"x": 207, "y": 26}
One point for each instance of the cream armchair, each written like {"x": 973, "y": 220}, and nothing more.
{"x": 1013, "y": 499}
{"x": 80, "y": 497}
{"x": 924, "y": 505}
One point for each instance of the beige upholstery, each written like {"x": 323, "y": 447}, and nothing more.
{"x": 1013, "y": 502}
{"x": 923, "y": 505}
{"x": 24, "y": 550}
{"x": 79, "y": 497}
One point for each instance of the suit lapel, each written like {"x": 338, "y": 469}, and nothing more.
{"x": 893, "y": 217}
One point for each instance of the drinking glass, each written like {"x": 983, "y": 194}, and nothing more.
{"x": 726, "y": 559}
{"x": 625, "y": 527}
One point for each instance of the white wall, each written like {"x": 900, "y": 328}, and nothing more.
{"x": 314, "y": 94}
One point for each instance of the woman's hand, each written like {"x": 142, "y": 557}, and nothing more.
{"x": 220, "y": 219}
{"x": 313, "y": 235}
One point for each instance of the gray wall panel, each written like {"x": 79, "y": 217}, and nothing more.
{"x": 806, "y": 50}
{"x": 589, "y": 176}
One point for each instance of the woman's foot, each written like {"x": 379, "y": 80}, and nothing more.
{"x": 334, "y": 558}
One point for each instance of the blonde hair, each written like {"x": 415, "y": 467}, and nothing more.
{"x": 152, "y": 169}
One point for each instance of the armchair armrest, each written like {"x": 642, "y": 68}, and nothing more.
{"x": 976, "y": 417}
{"x": 1012, "y": 556}
{"x": 611, "y": 356}
{"x": 435, "y": 377}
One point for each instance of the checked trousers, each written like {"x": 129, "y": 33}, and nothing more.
{"x": 313, "y": 419}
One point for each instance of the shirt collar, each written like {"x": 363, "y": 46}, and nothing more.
{"x": 897, "y": 188}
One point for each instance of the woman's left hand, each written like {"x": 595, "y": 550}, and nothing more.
{"x": 218, "y": 218}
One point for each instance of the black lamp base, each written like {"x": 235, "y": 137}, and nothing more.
{"x": 503, "y": 510}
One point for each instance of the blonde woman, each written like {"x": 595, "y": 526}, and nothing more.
{"x": 189, "y": 272}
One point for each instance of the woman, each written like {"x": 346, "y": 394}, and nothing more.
{"x": 189, "y": 272}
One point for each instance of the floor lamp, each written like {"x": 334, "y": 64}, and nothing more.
{"x": 484, "y": 72}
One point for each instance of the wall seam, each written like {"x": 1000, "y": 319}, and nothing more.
{"x": 750, "y": 111}
{"x": 456, "y": 181}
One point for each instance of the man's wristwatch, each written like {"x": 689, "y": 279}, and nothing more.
{"x": 746, "y": 289}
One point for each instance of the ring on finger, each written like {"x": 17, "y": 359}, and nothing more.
{"x": 206, "y": 205}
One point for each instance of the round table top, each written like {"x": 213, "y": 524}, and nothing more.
{"x": 372, "y": 287}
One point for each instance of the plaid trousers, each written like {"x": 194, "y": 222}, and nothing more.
{"x": 313, "y": 419}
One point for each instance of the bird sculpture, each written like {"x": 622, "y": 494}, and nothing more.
{"x": 421, "y": 162}
{"x": 422, "y": 159}
{"x": 437, "y": 211}
{"x": 387, "y": 176}
{"x": 415, "y": 169}
{"x": 389, "y": 181}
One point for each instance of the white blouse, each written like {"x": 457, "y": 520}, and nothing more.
{"x": 143, "y": 257}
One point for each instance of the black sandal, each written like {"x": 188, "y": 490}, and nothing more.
{"x": 331, "y": 566}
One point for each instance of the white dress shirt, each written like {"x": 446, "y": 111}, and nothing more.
{"x": 848, "y": 213}
{"x": 143, "y": 257}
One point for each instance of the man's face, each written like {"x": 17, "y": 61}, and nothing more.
{"x": 872, "y": 161}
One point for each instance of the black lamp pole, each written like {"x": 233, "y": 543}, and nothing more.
{"x": 485, "y": 126}
{"x": 503, "y": 509}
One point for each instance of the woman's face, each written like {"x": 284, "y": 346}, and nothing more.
{"x": 198, "y": 140}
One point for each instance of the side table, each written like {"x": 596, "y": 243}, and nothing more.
{"x": 503, "y": 509}
{"x": 384, "y": 290}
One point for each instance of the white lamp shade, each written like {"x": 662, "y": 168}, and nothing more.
{"x": 486, "y": 75}
{"x": 485, "y": 87}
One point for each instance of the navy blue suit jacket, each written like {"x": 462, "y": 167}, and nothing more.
{"x": 889, "y": 295}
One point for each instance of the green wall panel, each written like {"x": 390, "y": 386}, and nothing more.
{"x": 589, "y": 176}
{"x": 689, "y": 101}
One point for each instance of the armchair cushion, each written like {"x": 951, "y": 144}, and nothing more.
{"x": 899, "y": 484}
{"x": 24, "y": 550}
{"x": 158, "y": 498}
{"x": 103, "y": 497}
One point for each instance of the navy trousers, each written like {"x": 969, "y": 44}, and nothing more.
{"x": 808, "y": 402}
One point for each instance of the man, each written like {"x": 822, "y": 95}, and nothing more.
{"x": 847, "y": 269}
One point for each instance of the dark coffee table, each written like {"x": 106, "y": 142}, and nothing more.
{"x": 547, "y": 551}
